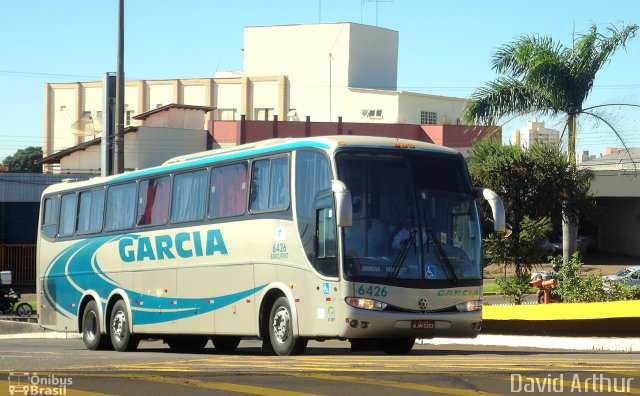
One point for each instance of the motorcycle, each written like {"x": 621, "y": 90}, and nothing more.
{"x": 546, "y": 283}
{"x": 10, "y": 302}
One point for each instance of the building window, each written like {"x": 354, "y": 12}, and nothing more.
{"x": 428, "y": 117}
{"x": 372, "y": 113}
{"x": 263, "y": 114}
{"x": 128, "y": 115}
{"x": 63, "y": 108}
{"x": 226, "y": 114}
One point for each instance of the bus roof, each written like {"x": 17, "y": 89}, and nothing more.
{"x": 254, "y": 149}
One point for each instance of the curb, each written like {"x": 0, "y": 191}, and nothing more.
{"x": 542, "y": 342}
{"x": 565, "y": 311}
{"x": 47, "y": 335}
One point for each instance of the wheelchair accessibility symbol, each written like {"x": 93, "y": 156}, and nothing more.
{"x": 430, "y": 272}
{"x": 325, "y": 288}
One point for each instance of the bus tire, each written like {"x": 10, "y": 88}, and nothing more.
{"x": 187, "y": 344}
{"x": 280, "y": 330}
{"x": 121, "y": 337}
{"x": 397, "y": 346}
{"x": 225, "y": 344}
{"x": 92, "y": 335}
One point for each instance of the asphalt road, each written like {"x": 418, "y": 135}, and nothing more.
{"x": 327, "y": 368}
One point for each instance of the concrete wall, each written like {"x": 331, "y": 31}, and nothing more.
{"x": 176, "y": 118}
{"x": 321, "y": 61}
{"x": 84, "y": 161}
{"x": 370, "y": 45}
{"x": 152, "y": 146}
{"x": 410, "y": 105}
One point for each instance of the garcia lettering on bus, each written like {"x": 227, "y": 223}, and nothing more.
{"x": 458, "y": 292}
{"x": 161, "y": 247}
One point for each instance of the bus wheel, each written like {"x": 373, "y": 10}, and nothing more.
{"x": 121, "y": 337}
{"x": 225, "y": 344}
{"x": 91, "y": 331}
{"x": 187, "y": 344}
{"x": 283, "y": 341}
{"x": 397, "y": 346}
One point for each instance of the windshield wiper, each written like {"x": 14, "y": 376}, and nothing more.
{"x": 443, "y": 255}
{"x": 402, "y": 254}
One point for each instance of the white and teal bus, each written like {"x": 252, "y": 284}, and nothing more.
{"x": 371, "y": 240}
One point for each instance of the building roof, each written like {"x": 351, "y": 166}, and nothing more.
{"x": 146, "y": 114}
{"x": 623, "y": 159}
{"x": 55, "y": 157}
{"x": 28, "y": 187}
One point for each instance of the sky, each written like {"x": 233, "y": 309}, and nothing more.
{"x": 445, "y": 48}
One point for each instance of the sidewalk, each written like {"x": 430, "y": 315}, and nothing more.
{"x": 14, "y": 330}
{"x": 543, "y": 342}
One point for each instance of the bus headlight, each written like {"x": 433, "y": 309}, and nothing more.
{"x": 469, "y": 306}
{"x": 366, "y": 303}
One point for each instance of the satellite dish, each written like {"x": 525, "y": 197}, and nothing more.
{"x": 88, "y": 125}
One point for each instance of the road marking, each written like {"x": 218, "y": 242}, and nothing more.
{"x": 392, "y": 384}
{"x": 189, "y": 382}
{"x": 332, "y": 364}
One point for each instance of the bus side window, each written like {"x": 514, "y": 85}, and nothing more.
{"x": 153, "y": 201}
{"x": 121, "y": 207}
{"x": 326, "y": 234}
{"x": 67, "y": 215}
{"x": 90, "y": 211}
{"x": 188, "y": 200}
{"x": 228, "y": 191}
{"x": 326, "y": 257}
{"x": 269, "y": 185}
{"x": 313, "y": 176}
{"x": 50, "y": 216}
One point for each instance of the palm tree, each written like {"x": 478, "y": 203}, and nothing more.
{"x": 541, "y": 76}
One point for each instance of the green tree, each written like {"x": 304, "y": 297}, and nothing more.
{"x": 23, "y": 160}
{"x": 541, "y": 76}
{"x": 535, "y": 185}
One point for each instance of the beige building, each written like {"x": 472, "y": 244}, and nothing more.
{"x": 321, "y": 71}
{"x": 162, "y": 133}
{"x": 535, "y": 132}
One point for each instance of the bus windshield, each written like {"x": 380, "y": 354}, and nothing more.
{"x": 414, "y": 218}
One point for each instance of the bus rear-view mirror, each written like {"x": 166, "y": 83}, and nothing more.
{"x": 344, "y": 208}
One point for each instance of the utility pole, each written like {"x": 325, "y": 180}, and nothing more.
{"x": 118, "y": 163}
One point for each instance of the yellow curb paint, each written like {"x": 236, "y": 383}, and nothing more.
{"x": 563, "y": 311}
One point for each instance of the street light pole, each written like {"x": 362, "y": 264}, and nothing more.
{"x": 119, "y": 140}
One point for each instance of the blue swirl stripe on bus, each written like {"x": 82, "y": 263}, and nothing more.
{"x": 76, "y": 269}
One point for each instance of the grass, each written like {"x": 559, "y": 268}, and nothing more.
{"x": 490, "y": 288}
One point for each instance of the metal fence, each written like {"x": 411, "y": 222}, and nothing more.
{"x": 21, "y": 261}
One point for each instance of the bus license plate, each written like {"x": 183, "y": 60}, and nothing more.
{"x": 423, "y": 324}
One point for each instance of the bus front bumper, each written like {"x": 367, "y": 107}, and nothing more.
{"x": 361, "y": 323}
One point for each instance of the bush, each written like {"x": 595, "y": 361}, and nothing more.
{"x": 573, "y": 288}
{"x": 514, "y": 287}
